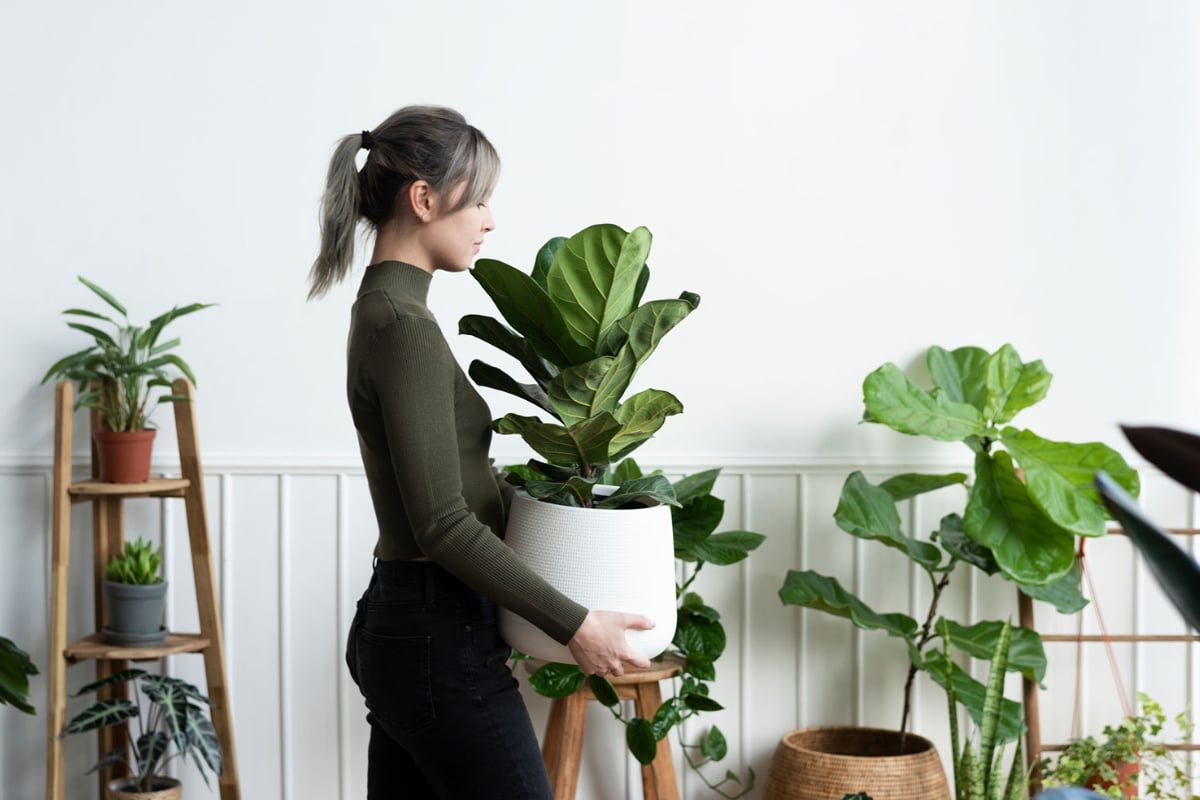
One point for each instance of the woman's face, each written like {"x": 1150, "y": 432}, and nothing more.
{"x": 453, "y": 240}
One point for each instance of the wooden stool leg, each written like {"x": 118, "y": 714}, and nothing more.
{"x": 562, "y": 749}
{"x": 658, "y": 777}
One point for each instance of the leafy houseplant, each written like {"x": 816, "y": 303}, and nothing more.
{"x": 15, "y": 669}
{"x": 134, "y": 595}
{"x": 174, "y": 725}
{"x": 581, "y": 331}
{"x": 1111, "y": 765}
{"x": 699, "y": 635}
{"x": 1021, "y": 525}
{"x": 120, "y": 371}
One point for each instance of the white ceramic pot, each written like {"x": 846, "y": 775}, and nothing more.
{"x": 604, "y": 559}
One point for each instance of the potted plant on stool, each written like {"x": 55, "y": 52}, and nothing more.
{"x": 134, "y": 596}
{"x": 174, "y": 725}
{"x": 116, "y": 376}
{"x": 581, "y": 331}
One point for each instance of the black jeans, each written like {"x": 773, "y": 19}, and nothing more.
{"x": 447, "y": 721}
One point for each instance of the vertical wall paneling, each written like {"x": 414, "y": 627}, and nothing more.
{"x": 293, "y": 548}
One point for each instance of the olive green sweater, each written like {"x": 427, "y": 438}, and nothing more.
{"x": 424, "y": 434}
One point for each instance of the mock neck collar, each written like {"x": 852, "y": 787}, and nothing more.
{"x": 398, "y": 277}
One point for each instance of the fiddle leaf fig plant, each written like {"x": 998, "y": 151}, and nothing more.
{"x": 1020, "y": 525}
{"x": 580, "y": 330}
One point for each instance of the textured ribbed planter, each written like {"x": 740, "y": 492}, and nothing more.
{"x": 824, "y": 763}
{"x": 162, "y": 789}
{"x": 135, "y": 613}
{"x": 604, "y": 559}
{"x": 124, "y": 457}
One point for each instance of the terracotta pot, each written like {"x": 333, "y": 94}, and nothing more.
{"x": 124, "y": 457}
{"x": 1127, "y": 779}
{"x": 829, "y": 762}
{"x": 610, "y": 559}
{"x": 161, "y": 789}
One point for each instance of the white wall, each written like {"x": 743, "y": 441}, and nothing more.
{"x": 843, "y": 183}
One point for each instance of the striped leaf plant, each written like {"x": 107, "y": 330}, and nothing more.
{"x": 577, "y": 325}
{"x": 1025, "y": 502}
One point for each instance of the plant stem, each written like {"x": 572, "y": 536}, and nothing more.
{"x": 922, "y": 640}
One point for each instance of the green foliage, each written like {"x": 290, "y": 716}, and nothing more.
{"x": 138, "y": 564}
{"x": 699, "y": 636}
{"x": 579, "y": 329}
{"x": 1021, "y": 526}
{"x": 119, "y": 371}
{"x": 1097, "y": 761}
{"x": 173, "y": 725}
{"x": 15, "y": 669}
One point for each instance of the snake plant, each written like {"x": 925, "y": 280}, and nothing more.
{"x": 580, "y": 330}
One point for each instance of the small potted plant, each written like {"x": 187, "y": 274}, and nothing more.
{"x": 581, "y": 331}
{"x": 1125, "y": 753}
{"x": 174, "y": 725}
{"x": 118, "y": 375}
{"x": 1027, "y": 500}
{"x": 134, "y": 595}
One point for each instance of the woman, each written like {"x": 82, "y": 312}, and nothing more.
{"x": 447, "y": 720}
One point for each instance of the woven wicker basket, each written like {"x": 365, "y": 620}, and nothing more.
{"x": 826, "y": 763}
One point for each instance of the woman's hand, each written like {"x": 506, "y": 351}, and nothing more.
{"x": 599, "y": 646}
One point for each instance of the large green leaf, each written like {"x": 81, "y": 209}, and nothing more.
{"x": 506, "y": 340}
{"x": 971, "y": 693}
{"x": 955, "y": 541}
{"x": 639, "y": 738}
{"x": 1063, "y": 594}
{"x": 1029, "y": 547}
{"x": 1032, "y": 384}
{"x": 486, "y": 375}
{"x": 594, "y": 278}
{"x": 202, "y": 738}
{"x": 529, "y": 310}
{"x": 1059, "y": 476}
{"x": 697, "y": 634}
{"x": 1001, "y": 372}
{"x": 1177, "y": 573}
{"x": 575, "y": 393}
{"x": 814, "y": 590}
{"x": 584, "y": 445}
{"x": 557, "y": 680}
{"x": 15, "y": 669}
{"x": 641, "y": 416}
{"x": 642, "y": 330}
{"x": 544, "y": 260}
{"x": 694, "y": 522}
{"x": 911, "y": 484}
{"x": 654, "y": 488}
{"x": 1025, "y": 653}
{"x": 727, "y": 547}
{"x": 100, "y": 715}
{"x": 959, "y": 373}
{"x": 697, "y": 485}
{"x": 869, "y": 512}
{"x": 894, "y": 400}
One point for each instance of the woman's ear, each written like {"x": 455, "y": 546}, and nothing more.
{"x": 422, "y": 199}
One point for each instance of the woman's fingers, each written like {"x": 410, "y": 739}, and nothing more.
{"x": 600, "y": 647}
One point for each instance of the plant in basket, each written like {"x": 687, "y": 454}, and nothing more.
{"x": 122, "y": 374}
{"x": 1027, "y": 500}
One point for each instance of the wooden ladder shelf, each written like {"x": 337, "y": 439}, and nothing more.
{"x": 108, "y": 536}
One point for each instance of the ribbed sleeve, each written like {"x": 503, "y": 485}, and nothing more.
{"x": 424, "y": 434}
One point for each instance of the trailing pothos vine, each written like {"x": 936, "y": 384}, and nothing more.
{"x": 699, "y": 638}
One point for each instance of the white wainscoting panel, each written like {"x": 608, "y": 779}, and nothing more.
{"x": 292, "y": 549}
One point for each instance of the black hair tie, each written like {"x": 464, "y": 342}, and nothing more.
{"x": 368, "y": 141}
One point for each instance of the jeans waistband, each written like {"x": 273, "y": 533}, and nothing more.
{"x": 424, "y": 582}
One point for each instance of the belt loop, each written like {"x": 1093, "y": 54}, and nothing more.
{"x": 430, "y": 584}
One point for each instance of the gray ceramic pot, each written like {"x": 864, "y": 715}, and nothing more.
{"x": 135, "y": 613}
